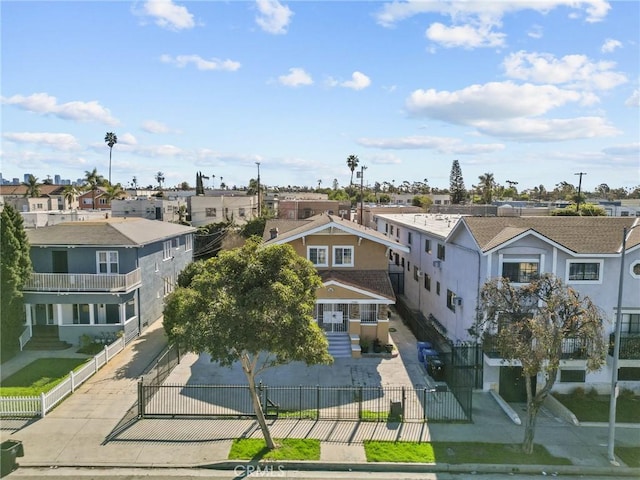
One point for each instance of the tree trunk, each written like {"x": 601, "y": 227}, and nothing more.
{"x": 257, "y": 406}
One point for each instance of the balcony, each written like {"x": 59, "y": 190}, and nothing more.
{"x": 629, "y": 346}
{"x": 83, "y": 282}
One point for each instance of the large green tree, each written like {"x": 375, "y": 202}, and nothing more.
{"x": 457, "y": 190}
{"x": 252, "y": 305}
{"x": 15, "y": 269}
{"x": 534, "y": 325}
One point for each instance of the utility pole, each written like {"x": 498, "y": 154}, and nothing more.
{"x": 259, "y": 199}
{"x": 579, "y": 190}
{"x": 361, "y": 175}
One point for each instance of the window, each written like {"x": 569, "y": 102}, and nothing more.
{"x": 188, "y": 243}
{"x": 587, "y": 271}
{"x": 438, "y": 288}
{"x": 630, "y": 323}
{"x": 386, "y": 228}
{"x": 107, "y": 262}
{"x": 409, "y": 238}
{"x": 451, "y": 305}
{"x": 168, "y": 285}
{"x": 427, "y": 282}
{"x": 629, "y": 373}
{"x": 81, "y": 314}
{"x": 398, "y": 232}
{"x": 241, "y": 212}
{"x": 318, "y": 256}
{"x": 427, "y": 245}
{"x": 391, "y": 230}
{"x": 130, "y": 309}
{"x": 211, "y": 212}
{"x": 577, "y": 376}
{"x": 176, "y": 243}
{"x": 416, "y": 273}
{"x": 408, "y": 266}
{"x": 343, "y": 256}
{"x": 368, "y": 313}
{"x": 440, "y": 252}
{"x": 520, "y": 272}
{"x": 166, "y": 250}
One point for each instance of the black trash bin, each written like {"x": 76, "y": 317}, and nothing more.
{"x": 9, "y": 451}
{"x": 435, "y": 368}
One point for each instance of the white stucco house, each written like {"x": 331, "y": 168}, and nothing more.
{"x": 451, "y": 257}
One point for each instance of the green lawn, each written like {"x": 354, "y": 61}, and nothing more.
{"x": 39, "y": 376}
{"x": 458, "y": 452}
{"x": 629, "y": 455}
{"x": 288, "y": 449}
{"x": 595, "y": 408}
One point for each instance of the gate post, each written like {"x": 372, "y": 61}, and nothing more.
{"x": 140, "y": 399}
{"x": 424, "y": 403}
{"x": 360, "y": 403}
{"x": 317, "y": 402}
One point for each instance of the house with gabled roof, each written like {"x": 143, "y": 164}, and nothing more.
{"x": 452, "y": 257}
{"x": 353, "y": 262}
{"x": 102, "y": 278}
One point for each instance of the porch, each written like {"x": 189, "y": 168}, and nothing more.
{"x": 83, "y": 282}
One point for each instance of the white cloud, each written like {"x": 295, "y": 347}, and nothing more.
{"x": 610, "y": 45}
{"x": 440, "y": 144}
{"x": 466, "y": 36}
{"x": 536, "y": 31}
{"x": 168, "y": 15}
{"x": 56, "y": 141}
{"x": 486, "y": 12}
{"x": 46, "y": 104}
{"x": 273, "y": 17}
{"x": 127, "y": 139}
{"x": 630, "y": 150}
{"x": 152, "y": 126}
{"x": 200, "y": 63}
{"x": 494, "y": 101}
{"x": 358, "y": 81}
{"x": 548, "y": 130}
{"x": 633, "y": 100}
{"x": 572, "y": 70}
{"x": 295, "y": 78}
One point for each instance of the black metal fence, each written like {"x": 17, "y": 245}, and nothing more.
{"x": 376, "y": 404}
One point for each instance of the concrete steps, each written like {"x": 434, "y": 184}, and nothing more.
{"x": 339, "y": 345}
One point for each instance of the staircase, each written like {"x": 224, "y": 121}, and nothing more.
{"x": 45, "y": 337}
{"x": 339, "y": 345}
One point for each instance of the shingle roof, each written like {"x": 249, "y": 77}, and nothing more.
{"x": 577, "y": 234}
{"x": 374, "y": 281}
{"x": 113, "y": 231}
{"x": 20, "y": 190}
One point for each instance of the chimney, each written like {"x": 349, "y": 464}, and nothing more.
{"x": 274, "y": 233}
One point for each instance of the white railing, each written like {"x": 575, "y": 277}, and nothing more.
{"x": 81, "y": 282}
{"x": 40, "y": 405}
{"x": 25, "y": 337}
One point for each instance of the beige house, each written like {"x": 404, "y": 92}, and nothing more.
{"x": 353, "y": 262}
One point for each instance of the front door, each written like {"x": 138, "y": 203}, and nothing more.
{"x": 512, "y": 385}
{"x": 333, "y": 317}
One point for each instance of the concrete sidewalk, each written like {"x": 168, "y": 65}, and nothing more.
{"x": 74, "y": 434}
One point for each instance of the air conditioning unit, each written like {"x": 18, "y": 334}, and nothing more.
{"x": 419, "y": 273}
{"x": 437, "y": 263}
{"x": 458, "y": 301}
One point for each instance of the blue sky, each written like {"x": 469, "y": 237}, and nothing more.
{"x": 530, "y": 91}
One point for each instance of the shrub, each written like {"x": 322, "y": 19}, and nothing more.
{"x": 578, "y": 392}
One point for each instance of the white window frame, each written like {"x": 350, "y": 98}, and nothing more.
{"x": 166, "y": 250}
{"x": 108, "y": 262}
{"x": 518, "y": 260}
{"x": 342, "y": 247}
{"x": 571, "y": 261}
{"x": 319, "y": 248}
{"x": 188, "y": 243}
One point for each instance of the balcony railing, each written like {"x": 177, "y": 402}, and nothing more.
{"x": 629, "y": 346}
{"x": 572, "y": 348}
{"x": 83, "y": 282}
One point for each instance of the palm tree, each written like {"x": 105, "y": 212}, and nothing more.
{"x": 70, "y": 192}
{"x": 487, "y": 184}
{"x": 159, "y": 178}
{"x": 111, "y": 139}
{"x": 33, "y": 187}
{"x": 92, "y": 182}
{"x": 113, "y": 191}
{"x": 352, "y": 163}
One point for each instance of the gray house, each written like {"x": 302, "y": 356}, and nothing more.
{"x": 451, "y": 257}
{"x": 102, "y": 278}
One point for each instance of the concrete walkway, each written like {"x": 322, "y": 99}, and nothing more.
{"x": 75, "y": 433}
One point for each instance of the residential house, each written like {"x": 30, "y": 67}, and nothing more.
{"x": 230, "y": 207}
{"x": 102, "y": 277}
{"x": 353, "y": 302}
{"x": 95, "y": 200}
{"x": 452, "y": 257}
{"x": 171, "y": 209}
{"x": 51, "y": 198}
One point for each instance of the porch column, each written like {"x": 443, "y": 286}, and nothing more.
{"x": 59, "y": 313}
{"x": 27, "y": 311}
{"x": 92, "y": 315}
{"x": 122, "y": 309}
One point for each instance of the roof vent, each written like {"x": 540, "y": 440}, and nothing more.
{"x": 274, "y": 233}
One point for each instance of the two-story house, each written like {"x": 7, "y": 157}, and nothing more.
{"x": 102, "y": 277}
{"x": 451, "y": 258}
{"x": 352, "y": 260}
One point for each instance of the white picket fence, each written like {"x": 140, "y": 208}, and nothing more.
{"x": 39, "y": 406}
